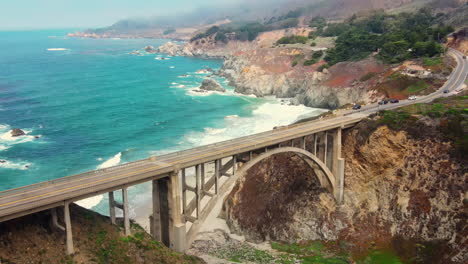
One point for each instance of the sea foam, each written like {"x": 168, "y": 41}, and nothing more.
{"x": 111, "y": 162}
{"x": 14, "y": 166}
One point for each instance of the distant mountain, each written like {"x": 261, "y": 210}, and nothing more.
{"x": 259, "y": 11}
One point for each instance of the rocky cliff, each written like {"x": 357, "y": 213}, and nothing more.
{"x": 262, "y": 68}
{"x": 406, "y": 182}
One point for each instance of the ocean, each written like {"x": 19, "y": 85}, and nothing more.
{"x": 89, "y": 103}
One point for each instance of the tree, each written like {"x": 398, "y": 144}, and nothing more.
{"x": 394, "y": 52}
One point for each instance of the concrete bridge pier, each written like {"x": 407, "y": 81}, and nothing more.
{"x": 67, "y": 219}
{"x": 338, "y": 165}
{"x": 123, "y": 206}
{"x": 166, "y": 222}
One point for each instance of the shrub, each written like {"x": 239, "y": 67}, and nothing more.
{"x": 323, "y": 67}
{"x": 292, "y": 40}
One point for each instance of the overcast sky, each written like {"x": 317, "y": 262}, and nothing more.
{"x": 30, "y": 14}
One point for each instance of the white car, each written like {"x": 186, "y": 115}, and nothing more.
{"x": 412, "y": 98}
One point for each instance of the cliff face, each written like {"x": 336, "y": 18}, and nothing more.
{"x": 270, "y": 72}
{"x": 262, "y": 69}
{"x": 400, "y": 185}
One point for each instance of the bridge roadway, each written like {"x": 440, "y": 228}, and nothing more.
{"x": 37, "y": 197}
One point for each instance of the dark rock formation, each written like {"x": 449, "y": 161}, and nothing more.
{"x": 212, "y": 85}
{"x": 150, "y": 49}
{"x": 16, "y": 132}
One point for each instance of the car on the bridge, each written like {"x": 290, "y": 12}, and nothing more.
{"x": 412, "y": 98}
{"x": 446, "y": 91}
{"x": 356, "y": 107}
{"x": 394, "y": 101}
{"x": 383, "y": 102}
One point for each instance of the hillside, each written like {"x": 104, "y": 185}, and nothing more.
{"x": 404, "y": 193}
{"x": 32, "y": 239}
{"x": 254, "y": 11}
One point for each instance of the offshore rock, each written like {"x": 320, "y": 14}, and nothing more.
{"x": 150, "y": 49}
{"x": 16, "y": 132}
{"x": 212, "y": 85}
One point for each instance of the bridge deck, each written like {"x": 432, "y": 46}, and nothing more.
{"x": 41, "y": 196}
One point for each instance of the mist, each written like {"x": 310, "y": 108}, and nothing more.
{"x": 203, "y": 13}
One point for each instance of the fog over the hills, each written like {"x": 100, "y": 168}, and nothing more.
{"x": 206, "y": 13}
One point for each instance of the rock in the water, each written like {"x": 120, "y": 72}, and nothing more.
{"x": 150, "y": 49}
{"x": 2, "y": 161}
{"x": 211, "y": 85}
{"x": 16, "y": 132}
{"x": 170, "y": 48}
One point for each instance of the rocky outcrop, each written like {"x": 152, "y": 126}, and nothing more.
{"x": 264, "y": 72}
{"x": 212, "y": 85}
{"x": 150, "y": 49}
{"x": 401, "y": 185}
{"x": 16, "y": 132}
{"x": 174, "y": 49}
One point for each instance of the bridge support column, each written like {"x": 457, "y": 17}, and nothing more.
{"x": 217, "y": 168}
{"x": 66, "y": 211}
{"x": 126, "y": 212}
{"x": 112, "y": 207}
{"x": 155, "y": 218}
{"x": 234, "y": 165}
{"x": 178, "y": 237}
{"x": 338, "y": 166}
{"x": 197, "y": 189}
{"x": 55, "y": 222}
{"x": 315, "y": 145}
{"x": 321, "y": 142}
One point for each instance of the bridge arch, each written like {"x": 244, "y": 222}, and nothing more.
{"x": 325, "y": 176}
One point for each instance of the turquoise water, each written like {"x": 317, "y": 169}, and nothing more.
{"x": 93, "y": 105}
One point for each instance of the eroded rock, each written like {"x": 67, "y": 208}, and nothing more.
{"x": 16, "y": 132}
{"x": 212, "y": 85}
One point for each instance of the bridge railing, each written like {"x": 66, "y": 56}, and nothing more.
{"x": 121, "y": 166}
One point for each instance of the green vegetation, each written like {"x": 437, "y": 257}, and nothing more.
{"x": 243, "y": 31}
{"x": 394, "y": 119}
{"x": 380, "y": 257}
{"x": 398, "y": 85}
{"x": 397, "y": 37}
{"x": 428, "y": 62}
{"x": 297, "y": 59}
{"x": 169, "y": 31}
{"x": 417, "y": 87}
{"x": 310, "y": 253}
{"x": 244, "y": 254}
{"x": 314, "y": 58}
{"x": 323, "y": 67}
{"x": 292, "y": 40}
{"x": 318, "y": 22}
